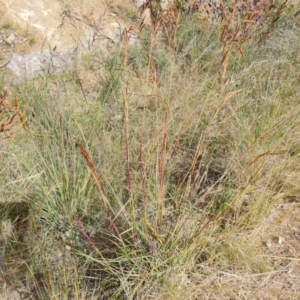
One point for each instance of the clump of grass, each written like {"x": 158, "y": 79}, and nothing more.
{"x": 30, "y": 38}
{"x": 130, "y": 14}
{"x": 133, "y": 201}
{"x": 110, "y": 84}
{"x": 7, "y": 26}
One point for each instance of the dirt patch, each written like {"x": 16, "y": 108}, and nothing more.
{"x": 59, "y": 26}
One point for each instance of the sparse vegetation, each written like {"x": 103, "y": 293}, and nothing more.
{"x": 130, "y": 14}
{"x": 162, "y": 185}
{"x": 30, "y": 38}
{"x": 7, "y": 26}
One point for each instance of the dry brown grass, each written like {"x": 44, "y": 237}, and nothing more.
{"x": 193, "y": 194}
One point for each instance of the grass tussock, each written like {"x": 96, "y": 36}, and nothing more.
{"x": 156, "y": 183}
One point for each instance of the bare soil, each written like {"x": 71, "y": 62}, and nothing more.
{"x": 59, "y": 24}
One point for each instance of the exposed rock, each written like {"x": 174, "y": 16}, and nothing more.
{"x": 65, "y": 26}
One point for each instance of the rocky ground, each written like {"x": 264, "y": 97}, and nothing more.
{"x": 55, "y": 32}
